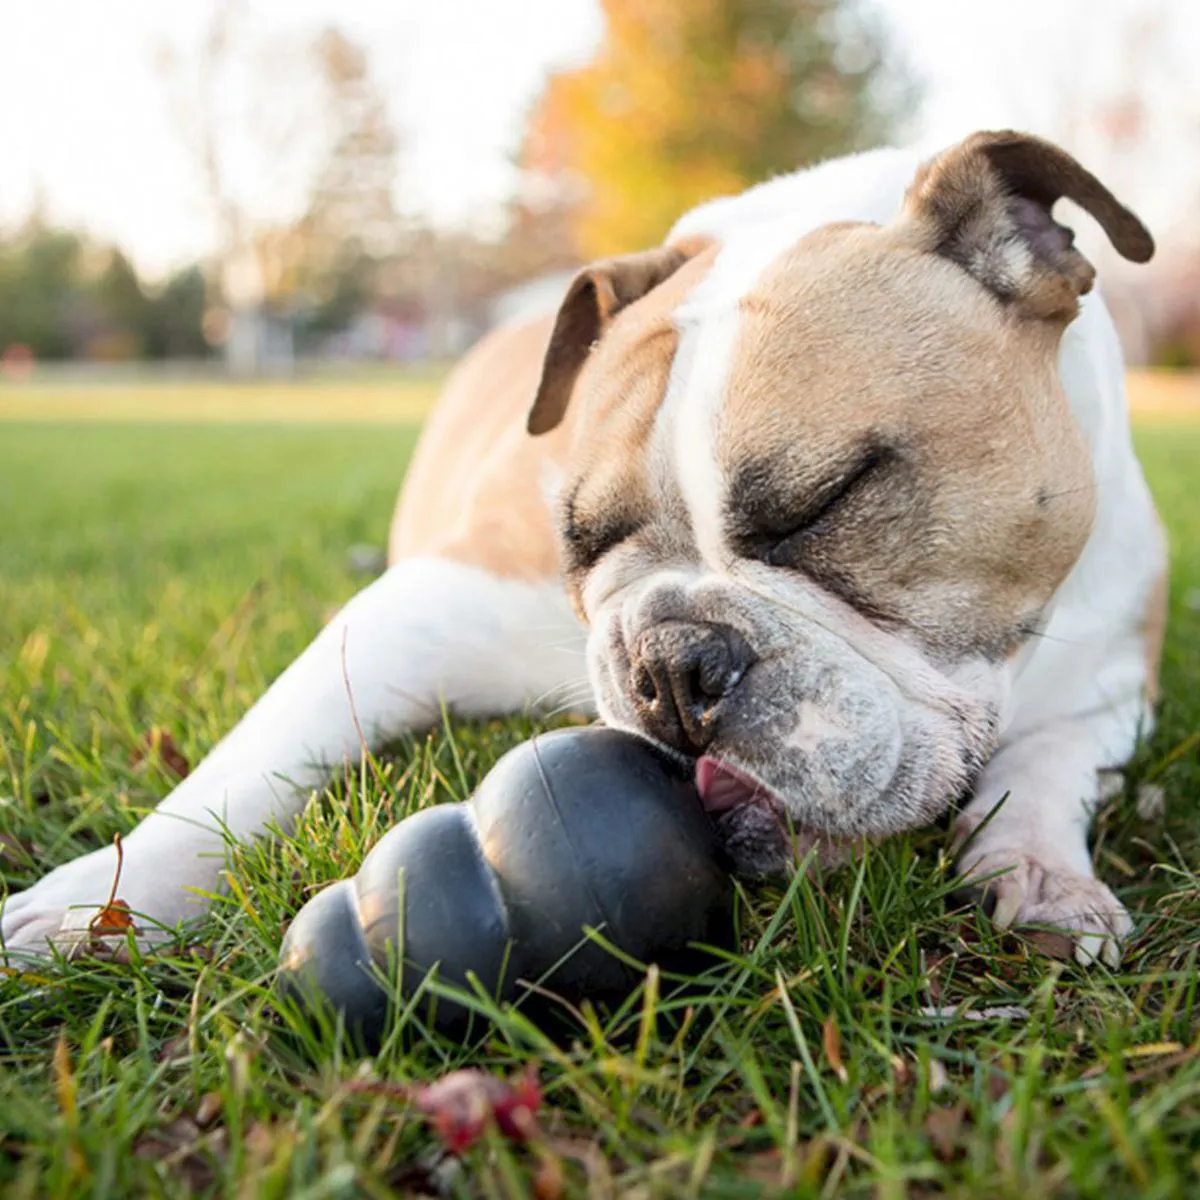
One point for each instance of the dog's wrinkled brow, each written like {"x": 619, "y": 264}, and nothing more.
{"x": 587, "y": 536}
{"x": 767, "y": 497}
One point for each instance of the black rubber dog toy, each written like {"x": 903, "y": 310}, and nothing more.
{"x": 572, "y": 829}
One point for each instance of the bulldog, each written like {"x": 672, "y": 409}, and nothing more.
{"x": 832, "y": 493}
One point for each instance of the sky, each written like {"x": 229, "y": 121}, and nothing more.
{"x": 87, "y": 124}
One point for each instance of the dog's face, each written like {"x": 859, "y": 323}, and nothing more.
{"x": 814, "y": 514}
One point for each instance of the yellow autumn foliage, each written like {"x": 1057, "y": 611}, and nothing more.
{"x": 690, "y": 99}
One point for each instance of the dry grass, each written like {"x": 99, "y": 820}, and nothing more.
{"x": 1164, "y": 393}
{"x": 395, "y": 397}
{"x": 384, "y": 397}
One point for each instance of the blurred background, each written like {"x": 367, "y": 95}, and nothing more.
{"x": 271, "y": 189}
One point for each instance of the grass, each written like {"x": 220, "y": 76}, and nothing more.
{"x": 372, "y": 394}
{"x": 382, "y": 394}
{"x": 157, "y": 576}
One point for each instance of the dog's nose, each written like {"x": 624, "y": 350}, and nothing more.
{"x": 682, "y": 674}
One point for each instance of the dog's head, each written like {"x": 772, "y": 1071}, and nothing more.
{"x": 818, "y": 502}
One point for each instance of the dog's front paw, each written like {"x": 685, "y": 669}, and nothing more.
{"x": 1024, "y": 889}
{"x": 63, "y": 910}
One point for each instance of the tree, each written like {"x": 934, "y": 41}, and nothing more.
{"x": 351, "y": 223}
{"x": 350, "y": 201}
{"x": 122, "y": 311}
{"x": 196, "y": 85}
{"x": 689, "y": 99}
{"x": 41, "y": 288}
{"x": 63, "y": 295}
{"x": 313, "y": 123}
{"x": 175, "y": 323}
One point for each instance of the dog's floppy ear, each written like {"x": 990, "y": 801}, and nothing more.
{"x": 986, "y": 204}
{"x": 594, "y": 298}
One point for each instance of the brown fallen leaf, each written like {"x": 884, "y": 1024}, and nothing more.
{"x": 114, "y": 917}
{"x": 157, "y": 743}
{"x": 943, "y": 1127}
{"x": 16, "y": 851}
{"x": 259, "y": 1141}
{"x": 209, "y": 1109}
{"x": 1053, "y": 945}
{"x": 590, "y": 1157}
{"x": 765, "y": 1167}
{"x": 549, "y": 1183}
{"x": 173, "y": 1048}
{"x": 831, "y": 1041}
{"x": 185, "y": 1152}
{"x": 997, "y": 1086}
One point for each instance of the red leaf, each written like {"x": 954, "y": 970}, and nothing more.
{"x": 114, "y": 917}
{"x": 516, "y": 1112}
{"x": 461, "y": 1105}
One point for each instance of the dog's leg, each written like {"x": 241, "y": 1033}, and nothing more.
{"x": 429, "y": 631}
{"x": 1027, "y": 828}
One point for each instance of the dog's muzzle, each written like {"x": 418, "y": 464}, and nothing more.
{"x": 683, "y": 676}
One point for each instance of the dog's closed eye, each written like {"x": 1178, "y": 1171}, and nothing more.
{"x": 825, "y": 503}
{"x": 764, "y": 526}
{"x": 587, "y": 539}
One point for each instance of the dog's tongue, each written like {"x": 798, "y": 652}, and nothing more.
{"x": 723, "y": 787}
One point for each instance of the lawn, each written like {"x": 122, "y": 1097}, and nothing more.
{"x": 154, "y": 577}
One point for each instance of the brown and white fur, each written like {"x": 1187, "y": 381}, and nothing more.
{"x": 833, "y": 492}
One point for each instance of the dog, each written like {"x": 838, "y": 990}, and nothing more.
{"x": 832, "y": 493}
